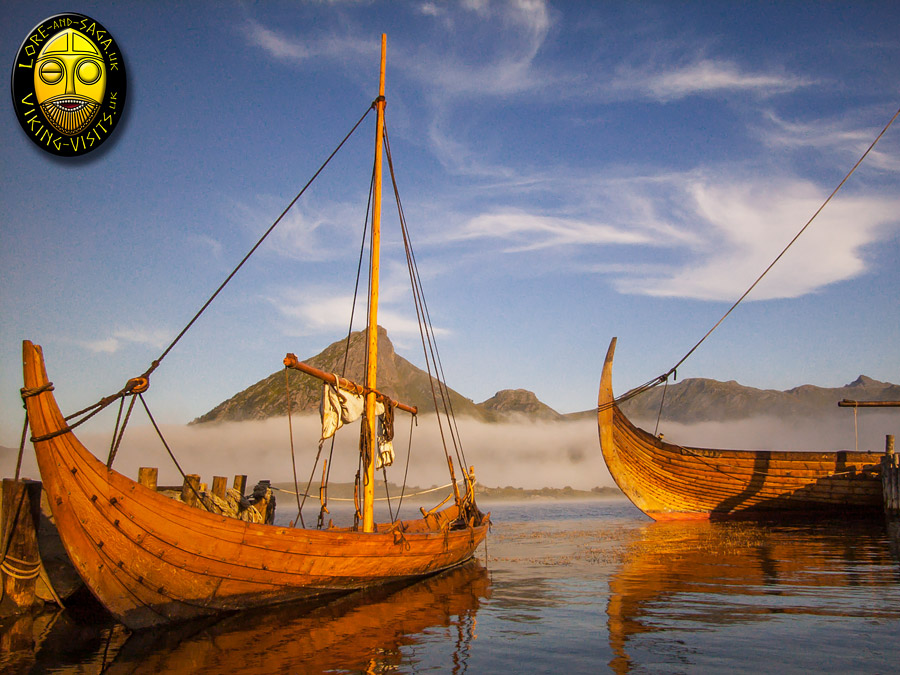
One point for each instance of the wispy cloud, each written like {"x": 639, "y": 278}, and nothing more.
{"x": 124, "y": 336}
{"x": 518, "y": 30}
{"x": 700, "y": 77}
{"x": 295, "y": 49}
{"x": 741, "y": 227}
{"x": 313, "y": 311}
{"x": 844, "y": 137}
{"x": 534, "y": 232}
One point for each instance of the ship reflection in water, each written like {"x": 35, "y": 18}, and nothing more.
{"x": 567, "y": 587}
{"x": 737, "y": 596}
{"x": 361, "y": 632}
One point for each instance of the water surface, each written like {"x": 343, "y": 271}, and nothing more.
{"x": 560, "y": 587}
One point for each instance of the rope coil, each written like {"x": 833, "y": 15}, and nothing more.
{"x": 20, "y": 569}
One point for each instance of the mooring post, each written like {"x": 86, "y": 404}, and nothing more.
{"x": 147, "y": 476}
{"x": 190, "y": 490}
{"x": 890, "y": 477}
{"x": 219, "y": 486}
{"x": 20, "y": 560}
{"x": 240, "y": 484}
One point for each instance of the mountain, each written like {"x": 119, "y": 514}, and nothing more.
{"x": 700, "y": 399}
{"x": 691, "y": 400}
{"x": 397, "y": 378}
{"x": 511, "y": 401}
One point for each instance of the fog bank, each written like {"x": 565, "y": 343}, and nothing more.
{"x": 520, "y": 453}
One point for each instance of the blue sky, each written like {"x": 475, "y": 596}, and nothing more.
{"x": 569, "y": 172}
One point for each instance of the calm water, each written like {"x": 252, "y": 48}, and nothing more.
{"x": 562, "y": 587}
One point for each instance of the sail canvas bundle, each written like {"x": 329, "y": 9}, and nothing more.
{"x": 340, "y": 406}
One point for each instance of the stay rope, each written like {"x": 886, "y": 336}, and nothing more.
{"x": 426, "y": 332}
{"x": 140, "y": 384}
{"x": 674, "y": 369}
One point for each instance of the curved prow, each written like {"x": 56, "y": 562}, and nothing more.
{"x": 605, "y": 402}
{"x": 605, "y": 398}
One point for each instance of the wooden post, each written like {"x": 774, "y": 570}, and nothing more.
{"x": 21, "y": 560}
{"x": 890, "y": 479}
{"x": 889, "y": 444}
{"x": 240, "y": 484}
{"x": 147, "y": 476}
{"x": 886, "y": 492}
{"x": 190, "y": 490}
{"x": 895, "y": 484}
{"x": 219, "y": 486}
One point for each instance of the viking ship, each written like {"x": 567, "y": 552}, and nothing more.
{"x": 151, "y": 560}
{"x": 669, "y": 482}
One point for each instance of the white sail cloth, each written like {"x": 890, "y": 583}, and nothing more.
{"x": 339, "y": 407}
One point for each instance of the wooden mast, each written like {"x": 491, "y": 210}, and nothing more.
{"x": 372, "y": 327}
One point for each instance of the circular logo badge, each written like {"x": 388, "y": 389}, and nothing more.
{"x": 68, "y": 84}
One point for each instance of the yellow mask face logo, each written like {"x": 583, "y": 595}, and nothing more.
{"x": 69, "y": 81}
{"x": 69, "y": 84}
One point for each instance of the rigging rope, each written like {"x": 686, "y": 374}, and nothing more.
{"x": 140, "y": 384}
{"x": 673, "y": 370}
{"x": 258, "y": 243}
{"x": 426, "y": 332}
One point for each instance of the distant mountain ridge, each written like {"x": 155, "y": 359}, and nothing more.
{"x": 701, "y": 400}
{"x": 691, "y": 400}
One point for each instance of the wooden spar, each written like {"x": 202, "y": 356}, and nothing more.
{"x": 291, "y": 361}
{"x": 847, "y": 403}
{"x": 372, "y": 327}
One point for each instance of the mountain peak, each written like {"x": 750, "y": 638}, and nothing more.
{"x": 397, "y": 378}
{"x": 866, "y": 381}
{"x": 523, "y": 401}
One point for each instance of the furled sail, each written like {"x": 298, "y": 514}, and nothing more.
{"x": 341, "y": 406}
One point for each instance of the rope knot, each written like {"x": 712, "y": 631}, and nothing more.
{"x": 137, "y": 385}
{"x": 34, "y": 391}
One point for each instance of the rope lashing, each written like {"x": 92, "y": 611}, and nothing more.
{"x": 135, "y": 385}
{"x": 20, "y": 569}
{"x": 28, "y": 392}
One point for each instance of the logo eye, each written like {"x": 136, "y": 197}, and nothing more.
{"x": 88, "y": 71}
{"x": 51, "y": 71}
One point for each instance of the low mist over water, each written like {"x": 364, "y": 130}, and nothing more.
{"x": 521, "y": 453}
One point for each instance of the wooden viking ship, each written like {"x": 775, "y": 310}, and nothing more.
{"x": 668, "y": 481}
{"x": 151, "y": 560}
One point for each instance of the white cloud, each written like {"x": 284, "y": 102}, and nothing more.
{"x": 311, "y": 312}
{"x": 536, "y": 231}
{"x": 297, "y": 49}
{"x": 107, "y": 346}
{"x": 518, "y": 30}
{"x": 742, "y": 227}
{"x": 703, "y": 76}
{"x": 844, "y": 137}
{"x": 123, "y": 336}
